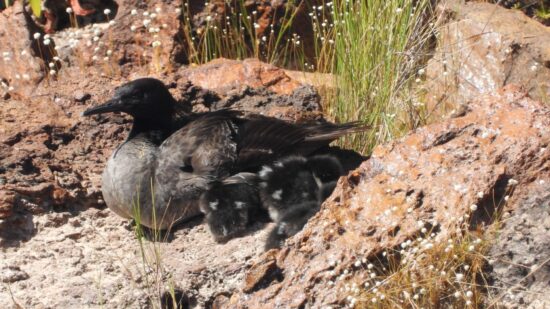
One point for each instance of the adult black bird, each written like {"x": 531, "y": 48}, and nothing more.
{"x": 169, "y": 159}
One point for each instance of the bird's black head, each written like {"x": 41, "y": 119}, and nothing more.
{"x": 144, "y": 98}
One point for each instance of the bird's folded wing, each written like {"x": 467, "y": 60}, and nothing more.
{"x": 263, "y": 139}
{"x": 205, "y": 146}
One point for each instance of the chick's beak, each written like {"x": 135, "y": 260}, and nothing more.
{"x": 113, "y": 105}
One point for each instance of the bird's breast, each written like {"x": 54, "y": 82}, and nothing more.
{"x": 126, "y": 180}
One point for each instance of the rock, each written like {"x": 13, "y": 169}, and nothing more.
{"x": 259, "y": 274}
{"x": 7, "y": 198}
{"x": 477, "y": 53}
{"x": 532, "y": 9}
{"x": 430, "y": 176}
{"x": 520, "y": 269}
{"x": 81, "y": 96}
{"x": 22, "y": 62}
{"x": 11, "y": 274}
{"x": 223, "y": 76}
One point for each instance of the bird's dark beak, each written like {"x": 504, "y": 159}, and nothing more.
{"x": 113, "y": 105}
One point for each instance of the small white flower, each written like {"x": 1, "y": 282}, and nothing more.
{"x": 208, "y": 18}
{"x": 398, "y": 10}
{"x": 37, "y": 36}
{"x": 421, "y": 72}
{"x": 178, "y": 11}
{"x": 96, "y": 38}
{"x": 133, "y": 28}
{"x": 109, "y": 52}
{"x": 133, "y": 12}
{"x": 156, "y": 43}
{"x": 473, "y": 207}
{"x": 51, "y": 65}
{"x": 94, "y": 58}
{"x": 153, "y": 16}
{"x": 47, "y": 42}
{"x": 106, "y": 11}
{"x": 112, "y": 22}
{"x": 146, "y": 22}
{"x": 456, "y": 294}
{"x": 105, "y": 59}
{"x": 459, "y": 276}
{"x": 47, "y": 36}
{"x": 69, "y": 10}
{"x": 469, "y": 294}
{"x": 471, "y": 248}
{"x": 512, "y": 182}
{"x": 52, "y": 72}
{"x": 158, "y": 10}
{"x": 256, "y": 26}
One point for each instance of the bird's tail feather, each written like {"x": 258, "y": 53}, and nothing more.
{"x": 331, "y": 131}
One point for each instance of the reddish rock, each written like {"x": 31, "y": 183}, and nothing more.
{"x": 7, "y": 198}
{"x": 223, "y": 75}
{"x": 431, "y": 176}
{"x": 21, "y": 60}
{"x": 480, "y": 50}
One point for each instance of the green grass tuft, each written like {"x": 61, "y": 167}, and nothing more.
{"x": 378, "y": 47}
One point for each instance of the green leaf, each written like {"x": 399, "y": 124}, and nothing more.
{"x": 36, "y": 7}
